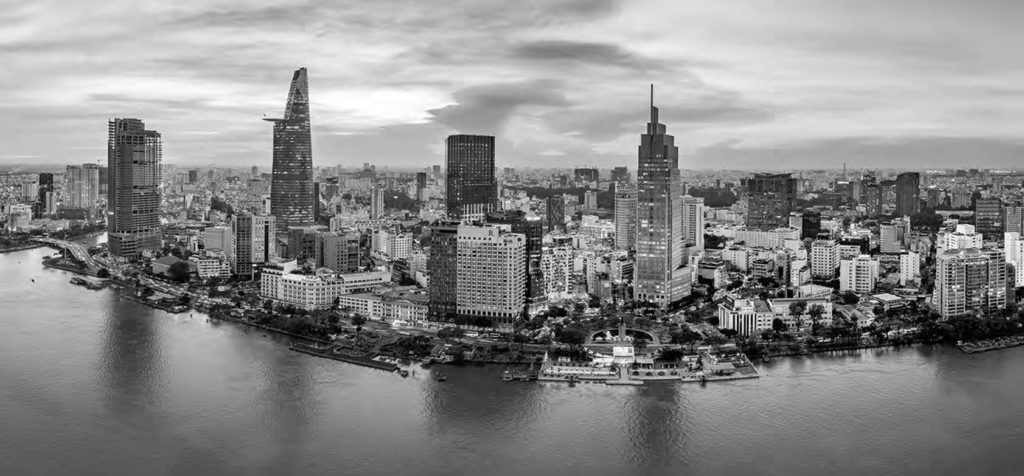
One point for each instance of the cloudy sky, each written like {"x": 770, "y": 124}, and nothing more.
{"x": 758, "y": 84}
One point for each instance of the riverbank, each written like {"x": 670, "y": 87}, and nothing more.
{"x": 991, "y": 344}
{"x": 27, "y": 246}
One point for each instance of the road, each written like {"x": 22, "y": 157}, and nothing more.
{"x": 79, "y": 251}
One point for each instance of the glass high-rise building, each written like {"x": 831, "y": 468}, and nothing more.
{"x": 908, "y": 193}
{"x": 471, "y": 189}
{"x": 81, "y": 186}
{"x": 625, "y": 216}
{"x": 133, "y": 187}
{"x": 291, "y": 188}
{"x": 659, "y": 276}
{"x": 770, "y": 200}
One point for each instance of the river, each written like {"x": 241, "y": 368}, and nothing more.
{"x": 92, "y": 384}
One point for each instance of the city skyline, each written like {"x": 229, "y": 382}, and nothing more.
{"x": 743, "y": 89}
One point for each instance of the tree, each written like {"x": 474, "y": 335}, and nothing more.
{"x": 850, "y": 298}
{"x": 103, "y": 273}
{"x": 715, "y": 339}
{"x": 335, "y": 303}
{"x": 178, "y": 272}
{"x": 815, "y": 312}
{"x": 713, "y": 320}
{"x": 358, "y": 320}
{"x": 640, "y": 343}
{"x": 268, "y": 305}
{"x": 778, "y": 325}
{"x": 796, "y": 310}
{"x": 573, "y": 336}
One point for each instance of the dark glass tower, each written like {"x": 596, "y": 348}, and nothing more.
{"x": 471, "y": 189}
{"x": 659, "y": 250}
{"x": 770, "y": 199}
{"x": 908, "y": 193}
{"x": 133, "y": 190}
{"x": 443, "y": 268}
{"x": 291, "y": 188}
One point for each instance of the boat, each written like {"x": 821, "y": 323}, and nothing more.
{"x": 765, "y": 357}
{"x": 404, "y": 373}
{"x": 572, "y": 380}
{"x": 440, "y": 377}
{"x": 506, "y": 376}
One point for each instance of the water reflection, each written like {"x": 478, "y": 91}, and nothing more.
{"x": 655, "y": 421}
{"x": 131, "y": 363}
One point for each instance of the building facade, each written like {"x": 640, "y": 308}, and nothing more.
{"x": 254, "y": 242}
{"x": 969, "y": 281}
{"x": 292, "y": 199}
{"x": 471, "y": 189}
{"x": 133, "y": 200}
{"x": 770, "y": 199}
{"x": 658, "y": 275}
{"x": 625, "y": 216}
{"x": 908, "y": 193}
{"x": 693, "y": 221}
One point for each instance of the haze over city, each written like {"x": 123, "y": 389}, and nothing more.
{"x": 797, "y": 84}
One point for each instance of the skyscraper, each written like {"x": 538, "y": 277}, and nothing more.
{"x": 620, "y": 174}
{"x": 658, "y": 273}
{"x": 555, "y": 212}
{"x": 693, "y": 221}
{"x": 442, "y": 265}
{"x": 471, "y": 189}
{"x": 421, "y": 186}
{"x": 988, "y": 217}
{"x": 46, "y": 204}
{"x": 376, "y": 202}
{"x": 585, "y": 174}
{"x": 291, "y": 188}
{"x": 133, "y": 198}
{"x": 908, "y": 193}
{"x": 625, "y": 216}
{"x": 770, "y": 200}
{"x": 81, "y": 186}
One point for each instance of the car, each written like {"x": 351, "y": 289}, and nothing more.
{"x": 472, "y": 334}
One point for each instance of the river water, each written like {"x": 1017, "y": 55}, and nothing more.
{"x": 91, "y": 384}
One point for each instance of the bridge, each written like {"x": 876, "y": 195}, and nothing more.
{"x": 77, "y": 250}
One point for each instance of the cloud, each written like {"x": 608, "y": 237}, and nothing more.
{"x": 485, "y": 109}
{"x": 589, "y": 53}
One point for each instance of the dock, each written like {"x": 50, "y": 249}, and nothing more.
{"x": 333, "y": 352}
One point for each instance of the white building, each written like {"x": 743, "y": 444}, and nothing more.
{"x": 625, "y": 216}
{"x": 491, "y": 275}
{"x": 824, "y": 258}
{"x": 964, "y": 237}
{"x": 217, "y": 238}
{"x": 970, "y": 280}
{"x": 209, "y": 267}
{"x": 693, "y": 221}
{"x": 315, "y": 291}
{"x": 858, "y": 275}
{"x": 910, "y": 268}
{"x": 1013, "y": 247}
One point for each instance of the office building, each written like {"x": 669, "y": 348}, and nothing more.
{"x": 620, "y": 175}
{"x": 376, "y": 202}
{"x": 254, "y": 242}
{"x": 988, "y": 217}
{"x": 858, "y": 274}
{"x": 421, "y": 186}
{"x": 81, "y": 186}
{"x": 532, "y": 228}
{"x": 659, "y": 272}
{"x": 969, "y": 281}
{"x": 770, "y": 199}
{"x": 910, "y": 268}
{"x": 555, "y": 212}
{"x": 133, "y": 200}
{"x": 585, "y": 175}
{"x": 442, "y": 266}
{"x": 218, "y": 238}
{"x": 908, "y": 193}
{"x": 339, "y": 251}
{"x": 963, "y": 237}
{"x": 625, "y": 216}
{"x": 1013, "y": 218}
{"x": 491, "y": 275}
{"x": 693, "y": 221}
{"x": 589, "y": 201}
{"x": 471, "y": 188}
{"x": 824, "y": 259}
{"x": 291, "y": 187}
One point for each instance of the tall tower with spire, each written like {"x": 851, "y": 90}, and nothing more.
{"x": 291, "y": 188}
{"x": 659, "y": 277}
